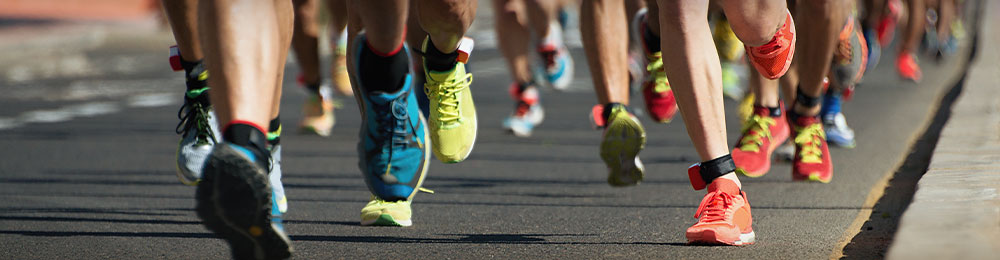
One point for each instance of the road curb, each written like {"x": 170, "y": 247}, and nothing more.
{"x": 955, "y": 213}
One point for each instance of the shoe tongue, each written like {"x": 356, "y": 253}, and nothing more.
{"x": 806, "y": 120}
{"x": 441, "y": 76}
{"x": 761, "y": 111}
{"x": 724, "y": 185}
{"x": 383, "y": 98}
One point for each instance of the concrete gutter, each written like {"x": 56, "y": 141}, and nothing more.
{"x": 955, "y": 213}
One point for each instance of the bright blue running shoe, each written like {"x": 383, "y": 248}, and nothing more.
{"x": 236, "y": 202}
{"x": 838, "y": 133}
{"x": 394, "y": 146}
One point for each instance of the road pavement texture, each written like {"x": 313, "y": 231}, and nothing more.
{"x": 89, "y": 169}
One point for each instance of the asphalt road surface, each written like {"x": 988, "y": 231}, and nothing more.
{"x": 87, "y": 170}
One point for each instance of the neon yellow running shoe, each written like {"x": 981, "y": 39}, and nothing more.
{"x": 730, "y": 47}
{"x": 746, "y": 107}
{"x": 452, "y": 112}
{"x": 623, "y": 139}
{"x": 379, "y": 212}
{"x": 317, "y": 115}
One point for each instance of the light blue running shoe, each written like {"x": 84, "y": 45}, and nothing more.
{"x": 838, "y": 133}
{"x": 394, "y": 148}
{"x": 558, "y": 64}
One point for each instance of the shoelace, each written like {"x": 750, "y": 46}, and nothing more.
{"x": 548, "y": 56}
{"x": 655, "y": 69}
{"x": 713, "y": 208}
{"x": 760, "y": 127}
{"x": 810, "y": 138}
{"x": 194, "y": 116}
{"x": 522, "y": 108}
{"x": 448, "y": 97}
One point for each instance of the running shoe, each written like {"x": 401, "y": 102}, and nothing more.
{"x": 773, "y": 58}
{"x": 908, "y": 68}
{"x": 621, "y": 143}
{"x": 850, "y": 57}
{"x": 394, "y": 147}
{"x": 838, "y": 133}
{"x": 812, "y": 156}
{"x": 732, "y": 86}
{"x": 745, "y": 108}
{"x": 317, "y": 113}
{"x": 453, "y": 122}
{"x": 762, "y": 133}
{"x": 528, "y": 111}
{"x": 198, "y": 127}
{"x": 724, "y": 216}
{"x": 338, "y": 70}
{"x": 730, "y": 47}
{"x": 556, "y": 57}
{"x": 834, "y": 122}
{"x": 380, "y": 212}
{"x": 885, "y": 27}
{"x": 660, "y": 102}
{"x": 730, "y": 50}
{"x": 274, "y": 175}
{"x": 235, "y": 201}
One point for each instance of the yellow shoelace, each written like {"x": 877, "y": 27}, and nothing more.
{"x": 809, "y": 139}
{"x": 761, "y": 128}
{"x": 448, "y": 96}
{"x": 655, "y": 68}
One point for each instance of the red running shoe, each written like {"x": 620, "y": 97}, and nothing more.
{"x": 660, "y": 102}
{"x": 773, "y": 58}
{"x": 812, "y": 156}
{"x": 723, "y": 216}
{"x": 908, "y": 68}
{"x": 762, "y": 134}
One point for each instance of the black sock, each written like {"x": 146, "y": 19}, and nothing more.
{"x": 274, "y": 132}
{"x": 651, "y": 40}
{"x": 438, "y": 61}
{"x": 250, "y": 137}
{"x": 313, "y": 88}
{"x": 384, "y": 72}
{"x": 607, "y": 110}
{"x": 193, "y": 74}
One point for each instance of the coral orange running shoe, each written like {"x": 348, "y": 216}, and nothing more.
{"x": 908, "y": 68}
{"x": 763, "y": 132}
{"x": 812, "y": 156}
{"x": 774, "y": 57}
{"x": 723, "y": 216}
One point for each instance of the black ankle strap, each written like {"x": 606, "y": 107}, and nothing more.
{"x": 715, "y": 168}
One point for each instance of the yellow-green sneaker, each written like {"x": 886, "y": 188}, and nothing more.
{"x": 623, "y": 139}
{"x": 379, "y": 212}
{"x": 452, "y": 114}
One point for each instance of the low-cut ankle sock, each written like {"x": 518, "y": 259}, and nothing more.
{"x": 274, "y": 132}
{"x": 384, "y": 72}
{"x": 192, "y": 74}
{"x": 437, "y": 60}
{"x": 651, "y": 40}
